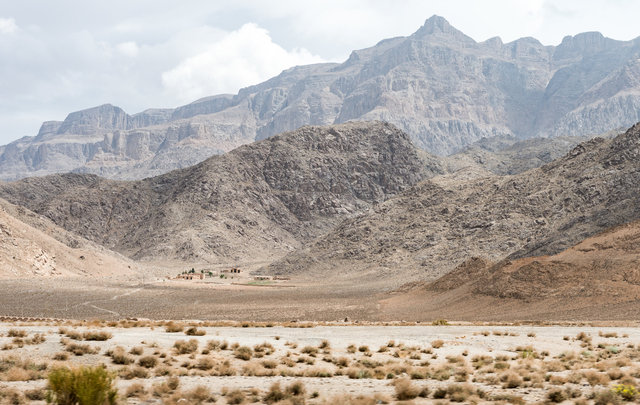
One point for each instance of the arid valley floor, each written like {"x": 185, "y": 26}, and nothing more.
{"x": 326, "y": 363}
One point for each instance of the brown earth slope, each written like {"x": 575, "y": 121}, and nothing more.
{"x": 32, "y": 246}
{"x": 259, "y": 201}
{"x": 431, "y": 228}
{"x": 599, "y": 278}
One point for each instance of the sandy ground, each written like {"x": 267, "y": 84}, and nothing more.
{"x": 459, "y": 341}
{"x": 236, "y": 299}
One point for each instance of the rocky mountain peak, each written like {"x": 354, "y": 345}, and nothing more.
{"x": 582, "y": 44}
{"x": 436, "y": 26}
{"x": 85, "y": 122}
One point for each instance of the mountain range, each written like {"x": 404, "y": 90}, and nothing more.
{"x": 429, "y": 229}
{"x": 259, "y": 201}
{"x": 438, "y": 85}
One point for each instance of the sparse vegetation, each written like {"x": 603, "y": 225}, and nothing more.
{"x": 82, "y": 386}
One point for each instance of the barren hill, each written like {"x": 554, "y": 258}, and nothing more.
{"x": 429, "y": 229}
{"x": 32, "y": 246}
{"x": 599, "y": 278}
{"x": 440, "y": 86}
{"x": 259, "y": 201}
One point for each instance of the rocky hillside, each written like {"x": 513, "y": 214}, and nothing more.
{"x": 440, "y": 86}
{"x": 507, "y": 155}
{"x": 599, "y": 278}
{"x": 257, "y": 202}
{"x": 33, "y": 246}
{"x": 431, "y": 228}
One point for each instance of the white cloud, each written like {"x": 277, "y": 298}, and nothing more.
{"x": 241, "y": 58}
{"x": 129, "y": 48}
{"x": 8, "y": 26}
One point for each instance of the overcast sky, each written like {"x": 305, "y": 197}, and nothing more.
{"x": 65, "y": 55}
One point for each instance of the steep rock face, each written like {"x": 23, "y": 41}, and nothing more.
{"x": 438, "y": 85}
{"x": 429, "y": 229}
{"x": 259, "y": 201}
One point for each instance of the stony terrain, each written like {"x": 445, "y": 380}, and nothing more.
{"x": 599, "y": 278}
{"x": 257, "y": 202}
{"x": 200, "y": 362}
{"x": 440, "y": 86}
{"x": 507, "y": 155}
{"x": 431, "y": 228}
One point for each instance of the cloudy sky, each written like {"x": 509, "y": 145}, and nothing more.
{"x": 66, "y": 55}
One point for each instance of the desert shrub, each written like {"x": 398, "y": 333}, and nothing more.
{"x": 557, "y": 380}
{"x": 193, "y": 331}
{"x": 440, "y": 322}
{"x": 185, "y": 347}
{"x": 269, "y": 364}
{"x": 199, "y": 395}
{"x": 359, "y": 373}
{"x": 97, "y": 335}
{"x": 19, "y": 333}
{"x": 405, "y": 390}
{"x": 363, "y": 349}
{"x": 626, "y": 392}
{"x": 296, "y": 389}
{"x": 275, "y": 394}
{"x": 129, "y": 373}
{"x": 606, "y": 397}
{"x": 148, "y": 361}
{"x": 19, "y": 374}
{"x": 436, "y": 344}
{"x": 36, "y": 394}
{"x": 460, "y": 392}
{"x": 61, "y": 356}
{"x": 342, "y": 362}
{"x": 243, "y": 353}
{"x": 205, "y": 363}
{"x": 82, "y": 386}
{"x": 595, "y": 378}
{"x": 556, "y": 395}
{"x": 511, "y": 399}
{"x": 136, "y": 350}
{"x": 36, "y": 339}
{"x": 351, "y": 348}
{"x": 173, "y": 327}
{"x": 324, "y": 345}
{"x": 79, "y": 349}
{"x": 615, "y": 373}
{"x": 173, "y": 382}
{"x": 11, "y": 396}
{"x": 135, "y": 390}
{"x": 235, "y": 397}
{"x": 119, "y": 356}
{"x": 310, "y": 350}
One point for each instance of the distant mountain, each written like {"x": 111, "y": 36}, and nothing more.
{"x": 440, "y": 86}
{"x": 431, "y": 228}
{"x": 258, "y": 202}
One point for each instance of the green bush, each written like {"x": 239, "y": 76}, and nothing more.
{"x": 81, "y": 386}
